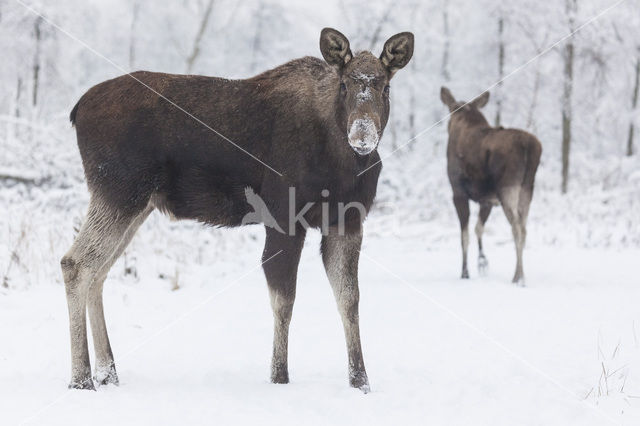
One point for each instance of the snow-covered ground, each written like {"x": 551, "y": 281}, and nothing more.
{"x": 438, "y": 350}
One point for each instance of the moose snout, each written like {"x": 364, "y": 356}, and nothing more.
{"x": 364, "y": 134}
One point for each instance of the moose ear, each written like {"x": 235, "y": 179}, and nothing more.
{"x": 335, "y": 47}
{"x": 446, "y": 97}
{"x": 397, "y": 52}
{"x": 481, "y": 100}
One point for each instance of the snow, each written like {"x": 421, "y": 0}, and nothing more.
{"x": 438, "y": 350}
{"x": 365, "y": 78}
{"x": 363, "y": 134}
{"x": 364, "y": 95}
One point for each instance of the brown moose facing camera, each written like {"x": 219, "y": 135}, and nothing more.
{"x": 191, "y": 145}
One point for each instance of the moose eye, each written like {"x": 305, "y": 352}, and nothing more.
{"x": 343, "y": 87}
{"x": 386, "y": 89}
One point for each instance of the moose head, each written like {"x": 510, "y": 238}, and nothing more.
{"x": 464, "y": 113}
{"x": 362, "y": 88}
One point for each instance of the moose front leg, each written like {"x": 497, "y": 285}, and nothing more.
{"x": 340, "y": 254}
{"x": 280, "y": 263}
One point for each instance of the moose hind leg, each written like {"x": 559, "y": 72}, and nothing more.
{"x": 93, "y": 247}
{"x": 509, "y": 198}
{"x": 105, "y": 369}
{"x": 524, "y": 201}
{"x": 462, "y": 208}
{"x": 483, "y": 215}
{"x": 280, "y": 260}
{"x": 340, "y": 254}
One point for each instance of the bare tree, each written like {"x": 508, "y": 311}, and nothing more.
{"x": 444, "y": 69}
{"x": 15, "y": 129}
{"x": 498, "y": 89}
{"x": 257, "y": 38}
{"x": 412, "y": 94}
{"x": 37, "y": 33}
{"x": 412, "y": 110}
{"x": 571, "y": 7}
{"x": 527, "y": 28}
{"x": 132, "y": 34}
{"x": 18, "y": 97}
{"x": 634, "y": 105}
{"x": 195, "y": 52}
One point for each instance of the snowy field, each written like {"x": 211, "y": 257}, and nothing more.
{"x": 439, "y": 350}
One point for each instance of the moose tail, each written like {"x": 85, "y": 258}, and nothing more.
{"x": 72, "y": 116}
{"x": 532, "y": 155}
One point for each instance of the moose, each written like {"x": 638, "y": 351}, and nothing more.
{"x": 491, "y": 166}
{"x": 191, "y": 145}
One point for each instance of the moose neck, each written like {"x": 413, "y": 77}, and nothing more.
{"x": 464, "y": 124}
{"x": 474, "y": 119}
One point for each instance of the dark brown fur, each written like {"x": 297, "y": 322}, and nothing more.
{"x": 489, "y": 165}
{"x": 135, "y": 144}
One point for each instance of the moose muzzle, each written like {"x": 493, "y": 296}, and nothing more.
{"x": 364, "y": 133}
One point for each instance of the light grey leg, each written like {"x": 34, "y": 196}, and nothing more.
{"x": 280, "y": 259}
{"x": 462, "y": 208}
{"x": 340, "y": 254}
{"x": 483, "y": 215}
{"x": 93, "y": 247}
{"x": 524, "y": 201}
{"x": 105, "y": 369}
{"x": 509, "y": 198}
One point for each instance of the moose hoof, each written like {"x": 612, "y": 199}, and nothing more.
{"x": 280, "y": 376}
{"x": 106, "y": 376}
{"x": 85, "y": 383}
{"x": 465, "y": 275}
{"x": 360, "y": 381}
{"x": 483, "y": 265}
{"x": 518, "y": 281}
